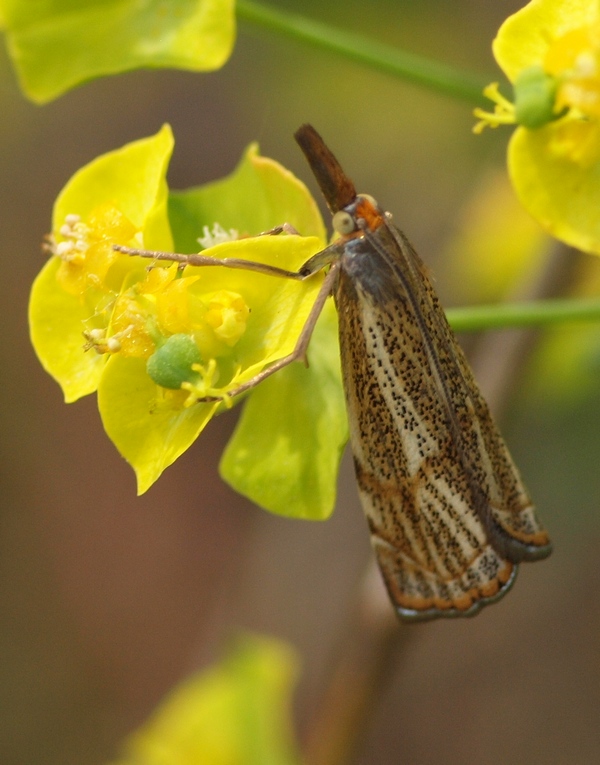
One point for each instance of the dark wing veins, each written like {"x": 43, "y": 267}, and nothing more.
{"x": 415, "y": 286}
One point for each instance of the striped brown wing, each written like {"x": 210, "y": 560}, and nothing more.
{"x": 448, "y": 513}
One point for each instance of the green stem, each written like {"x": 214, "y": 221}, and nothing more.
{"x": 417, "y": 69}
{"x": 538, "y": 313}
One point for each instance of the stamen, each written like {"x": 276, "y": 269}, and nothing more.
{"x": 503, "y": 114}
{"x": 218, "y": 235}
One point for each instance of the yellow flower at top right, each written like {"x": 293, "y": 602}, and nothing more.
{"x": 550, "y": 51}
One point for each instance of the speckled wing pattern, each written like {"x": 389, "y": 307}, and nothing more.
{"x": 449, "y": 516}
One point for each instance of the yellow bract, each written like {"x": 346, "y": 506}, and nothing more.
{"x": 237, "y": 321}
{"x": 524, "y": 38}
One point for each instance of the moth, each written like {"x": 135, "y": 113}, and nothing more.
{"x": 449, "y": 517}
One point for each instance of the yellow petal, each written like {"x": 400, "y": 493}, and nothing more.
{"x": 562, "y": 194}
{"x": 525, "y": 37}
{"x": 56, "y": 321}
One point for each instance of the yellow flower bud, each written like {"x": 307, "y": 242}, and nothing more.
{"x": 227, "y": 315}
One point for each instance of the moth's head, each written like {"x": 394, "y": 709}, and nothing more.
{"x": 362, "y": 214}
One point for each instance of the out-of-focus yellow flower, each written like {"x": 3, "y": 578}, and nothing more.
{"x": 550, "y": 51}
{"x": 236, "y": 712}
{"x": 481, "y": 227}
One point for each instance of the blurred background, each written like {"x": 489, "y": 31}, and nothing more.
{"x": 107, "y": 600}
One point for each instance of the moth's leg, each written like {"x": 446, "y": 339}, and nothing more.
{"x": 329, "y": 255}
{"x": 285, "y": 228}
{"x": 206, "y": 260}
{"x": 299, "y": 352}
{"x": 312, "y": 265}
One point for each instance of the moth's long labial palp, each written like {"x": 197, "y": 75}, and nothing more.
{"x": 335, "y": 185}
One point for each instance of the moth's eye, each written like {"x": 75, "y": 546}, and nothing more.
{"x": 343, "y": 223}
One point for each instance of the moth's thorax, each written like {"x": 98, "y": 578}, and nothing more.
{"x": 367, "y": 213}
{"x": 363, "y": 269}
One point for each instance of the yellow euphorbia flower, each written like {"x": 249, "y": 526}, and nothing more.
{"x": 550, "y": 51}
{"x": 156, "y": 339}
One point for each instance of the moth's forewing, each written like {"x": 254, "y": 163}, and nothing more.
{"x": 498, "y": 492}
{"x": 448, "y": 513}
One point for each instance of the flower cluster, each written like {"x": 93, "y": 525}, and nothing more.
{"x": 157, "y": 338}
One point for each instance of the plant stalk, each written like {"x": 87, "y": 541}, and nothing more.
{"x": 537, "y": 313}
{"x": 363, "y": 662}
{"x": 419, "y": 70}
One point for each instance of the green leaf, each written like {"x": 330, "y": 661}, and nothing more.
{"x": 149, "y": 426}
{"x": 57, "y": 44}
{"x": 285, "y": 452}
{"x": 259, "y": 195}
{"x": 236, "y": 713}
